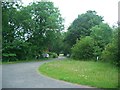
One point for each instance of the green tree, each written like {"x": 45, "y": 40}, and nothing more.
{"x": 9, "y": 11}
{"x": 83, "y": 49}
{"x": 30, "y": 30}
{"x": 57, "y": 45}
{"x": 102, "y": 35}
{"x": 81, "y": 27}
{"x": 110, "y": 54}
{"x": 47, "y": 24}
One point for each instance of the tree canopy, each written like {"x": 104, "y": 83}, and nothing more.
{"x": 81, "y": 27}
{"x": 31, "y": 30}
{"x": 102, "y": 35}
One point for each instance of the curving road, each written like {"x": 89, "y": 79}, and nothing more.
{"x": 25, "y": 75}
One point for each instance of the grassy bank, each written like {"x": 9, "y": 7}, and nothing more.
{"x": 96, "y": 74}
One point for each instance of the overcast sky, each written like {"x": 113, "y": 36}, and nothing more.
{"x": 71, "y": 8}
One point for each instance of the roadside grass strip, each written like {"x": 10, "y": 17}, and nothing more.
{"x": 90, "y": 73}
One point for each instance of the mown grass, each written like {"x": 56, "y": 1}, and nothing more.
{"x": 96, "y": 74}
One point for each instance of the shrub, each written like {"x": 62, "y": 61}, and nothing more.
{"x": 9, "y": 57}
{"x": 53, "y": 55}
{"x": 110, "y": 54}
{"x": 83, "y": 49}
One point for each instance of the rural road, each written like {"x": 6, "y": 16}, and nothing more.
{"x": 25, "y": 75}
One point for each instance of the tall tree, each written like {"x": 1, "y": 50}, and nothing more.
{"x": 102, "y": 35}
{"x": 81, "y": 26}
{"x": 9, "y": 12}
{"x": 47, "y": 23}
{"x": 111, "y": 51}
{"x": 28, "y": 31}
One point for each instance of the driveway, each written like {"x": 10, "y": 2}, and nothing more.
{"x": 25, "y": 75}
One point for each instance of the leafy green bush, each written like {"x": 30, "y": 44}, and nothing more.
{"x": 102, "y": 35}
{"x": 53, "y": 55}
{"x": 110, "y": 54}
{"x": 9, "y": 57}
{"x": 83, "y": 49}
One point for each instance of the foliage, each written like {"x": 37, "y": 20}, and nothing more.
{"x": 110, "y": 54}
{"x": 81, "y": 27}
{"x": 93, "y": 45}
{"x": 102, "y": 35}
{"x": 57, "y": 45}
{"x": 53, "y": 55}
{"x": 83, "y": 49}
{"x": 29, "y": 31}
{"x": 47, "y": 26}
{"x": 8, "y": 28}
{"x": 9, "y": 57}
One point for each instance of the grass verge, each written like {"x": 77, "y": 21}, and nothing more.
{"x": 90, "y": 73}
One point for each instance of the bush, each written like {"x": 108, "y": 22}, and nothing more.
{"x": 83, "y": 49}
{"x": 110, "y": 54}
{"x": 9, "y": 57}
{"x": 52, "y": 55}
